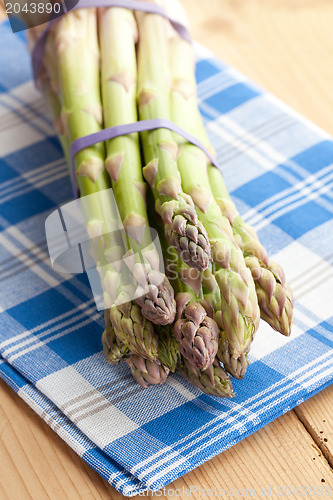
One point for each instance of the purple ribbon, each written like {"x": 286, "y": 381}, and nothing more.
{"x": 38, "y": 51}
{"x": 130, "y": 128}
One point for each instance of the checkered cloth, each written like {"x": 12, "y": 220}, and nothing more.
{"x": 278, "y": 168}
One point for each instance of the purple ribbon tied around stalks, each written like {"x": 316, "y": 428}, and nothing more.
{"x": 130, "y": 128}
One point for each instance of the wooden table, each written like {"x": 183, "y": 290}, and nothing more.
{"x": 287, "y": 47}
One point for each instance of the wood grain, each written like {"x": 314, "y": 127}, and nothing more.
{"x": 286, "y": 46}
{"x": 2, "y": 11}
{"x": 36, "y": 463}
{"x": 316, "y": 415}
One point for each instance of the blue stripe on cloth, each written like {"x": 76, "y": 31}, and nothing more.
{"x": 30, "y": 203}
{"x": 279, "y": 171}
{"x": 317, "y": 157}
{"x": 34, "y": 156}
{"x": 11, "y": 376}
{"x": 302, "y": 219}
{"x": 79, "y": 344}
{"x": 261, "y": 188}
{"x": 15, "y": 64}
{"x": 228, "y": 99}
{"x": 323, "y": 333}
{"x": 6, "y": 173}
{"x": 205, "y": 69}
{"x": 46, "y": 307}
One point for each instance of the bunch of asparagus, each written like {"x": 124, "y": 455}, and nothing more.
{"x": 111, "y": 66}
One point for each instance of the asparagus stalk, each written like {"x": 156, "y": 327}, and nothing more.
{"x": 195, "y": 331}
{"x": 130, "y": 327}
{"x": 168, "y": 348}
{"x": 49, "y": 83}
{"x": 212, "y": 303}
{"x": 184, "y": 232}
{"x": 114, "y": 350}
{"x": 240, "y": 312}
{"x": 236, "y": 367}
{"x": 117, "y": 29}
{"x": 133, "y": 329}
{"x": 76, "y": 44}
{"x": 74, "y": 40}
{"x": 274, "y": 295}
{"x": 147, "y": 372}
{"x": 214, "y": 380}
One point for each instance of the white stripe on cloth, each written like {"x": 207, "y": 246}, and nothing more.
{"x": 68, "y": 382}
{"x": 94, "y": 316}
{"x": 28, "y": 136}
{"x": 292, "y": 193}
{"x": 46, "y": 277}
{"x": 59, "y": 429}
{"x": 31, "y": 176}
{"x": 265, "y": 154}
{"x": 217, "y": 83}
{"x": 300, "y": 118}
{"x": 52, "y": 177}
{"x": 79, "y": 311}
{"x": 14, "y": 232}
{"x": 27, "y": 103}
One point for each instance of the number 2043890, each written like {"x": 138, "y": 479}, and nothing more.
{"x": 33, "y": 8}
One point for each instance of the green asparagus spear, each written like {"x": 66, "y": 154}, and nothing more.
{"x": 117, "y": 30}
{"x": 195, "y": 331}
{"x": 214, "y": 381}
{"x": 76, "y": 44}
{"x": 212, "y": 303}
{"x": 114, "y": 350}
{"x": 133, "y": 330}
{"x": 74, "y": 41}
{"x": 147, "y": 372}
{"x": 240, "y": 312}
{"x": 128, "y": 323}
{"x": 183, "y": 230}
{"x": 236, "y": 367}
{"x": 168, "y": 348}
{"x": 274, "y": 295}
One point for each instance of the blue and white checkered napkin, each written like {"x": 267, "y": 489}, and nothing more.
{"x": 278, "y": 168}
